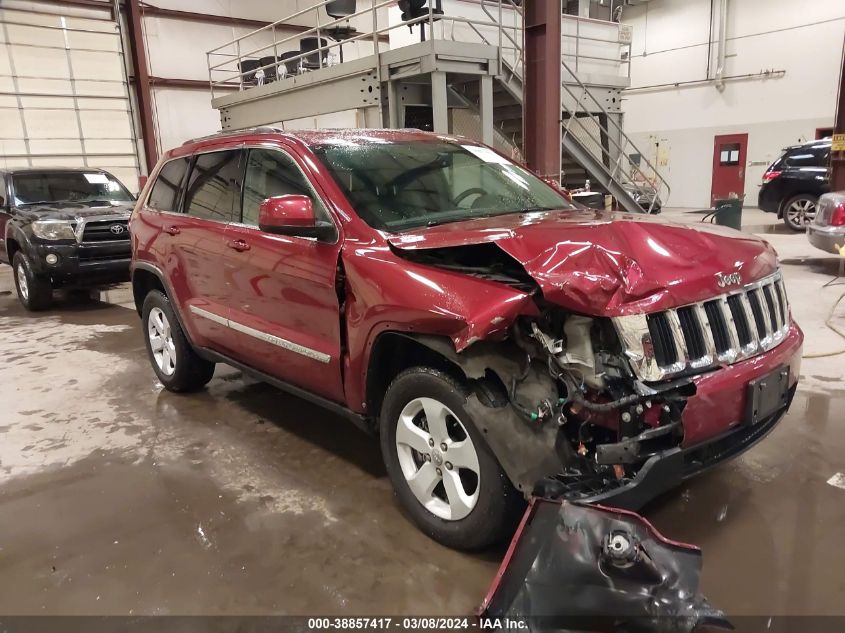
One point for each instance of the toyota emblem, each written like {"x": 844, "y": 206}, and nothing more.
{"x": 117, "y": 229}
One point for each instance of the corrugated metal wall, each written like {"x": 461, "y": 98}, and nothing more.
{"x": 64, "y": 98}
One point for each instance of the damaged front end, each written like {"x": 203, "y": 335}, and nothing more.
{"x": 582, "y": 364}
{"x": 552, "y": 391}
{"x": 560, "y": 408}
{"x": 589, "y": 568}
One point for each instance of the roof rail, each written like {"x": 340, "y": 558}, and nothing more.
{"x": 263, "y": 129}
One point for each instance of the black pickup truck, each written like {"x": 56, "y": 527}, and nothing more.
{"x": 63, "y": 228}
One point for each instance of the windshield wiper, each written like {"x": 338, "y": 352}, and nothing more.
{"x": 535, "y": 209}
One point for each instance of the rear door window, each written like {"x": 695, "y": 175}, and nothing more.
{"x": 214, "y": 187}
{"x": 807, "y": 157}
{"x": 165, "y": 192}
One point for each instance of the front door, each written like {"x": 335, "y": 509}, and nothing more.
{"x": 283, "y": 303}
{"x": 728, "y": 166}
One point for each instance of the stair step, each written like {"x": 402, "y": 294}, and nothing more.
{"x": 512, "y": 111}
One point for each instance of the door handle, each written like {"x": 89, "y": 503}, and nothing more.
{"x": 172, "y": 230}
{"x": 238, "y": 245}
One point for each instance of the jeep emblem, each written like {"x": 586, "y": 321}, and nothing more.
{"x": 730, "y": 279}
{"x": 117, "y": 229}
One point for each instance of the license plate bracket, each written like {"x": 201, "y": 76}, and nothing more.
{"x": 767, "y": 395}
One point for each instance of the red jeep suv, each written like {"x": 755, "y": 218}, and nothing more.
{"x": 499, "y": 340}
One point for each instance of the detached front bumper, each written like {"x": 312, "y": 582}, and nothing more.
{"x": 84, "y": 264}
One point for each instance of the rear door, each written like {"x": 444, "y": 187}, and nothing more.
{"x": 807, "y": 169}
{"x": 197, "y": 245}
{"x": 283, "y": 303}
{"x": 729, "y": 152}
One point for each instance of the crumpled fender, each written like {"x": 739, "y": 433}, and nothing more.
{"x": 386, "y": 293}
{"x": 572, "y": 566}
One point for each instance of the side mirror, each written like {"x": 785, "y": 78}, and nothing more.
{"x": 292, "y": 215}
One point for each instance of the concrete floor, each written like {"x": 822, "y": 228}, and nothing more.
{"x": 117, "y": 497}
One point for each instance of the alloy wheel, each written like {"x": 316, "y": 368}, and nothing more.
{"x": 801, "y": 212}
{"x": 23, "y": 284}
{"x": 438, "y": 459}
{"x": 161, "y": 341}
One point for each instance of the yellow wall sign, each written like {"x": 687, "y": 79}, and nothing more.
{"x": 838, "y": 143}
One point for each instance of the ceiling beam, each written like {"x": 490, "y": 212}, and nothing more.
{"x": 187, "y": 84}
{"x": 150, "y": 10}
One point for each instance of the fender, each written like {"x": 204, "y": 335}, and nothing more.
{"x": 15, "y": 231}
{"x": 155, "y": 270}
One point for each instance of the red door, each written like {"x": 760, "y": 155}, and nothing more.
{"x": 282, "y": 289}
{"x": 728, "y": 166}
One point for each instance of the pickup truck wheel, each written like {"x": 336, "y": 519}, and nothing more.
{"x": 799, "y": 211}
{"x": 444, "y": 474}
{"x": 176, "y": 364}
{"x": 34, "y": 292}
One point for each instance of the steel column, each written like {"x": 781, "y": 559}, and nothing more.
{"x": 142, "y": 82}
{"x": 393, "y": 105}
{"x": 541, "y": 121}
{"x": 486, "y": 105}
{"x": 439, "y": 102}
{"x": 837, "y": 159}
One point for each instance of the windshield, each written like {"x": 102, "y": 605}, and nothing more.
{"x": 71, "y": 186}
{"x": 404, "y": 185}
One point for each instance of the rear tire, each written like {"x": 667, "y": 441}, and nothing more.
{"x": 799, "y": 211}
{"x": 469, "y": 504}
{"x": 174, "y": 361}
{"x": 35, "y": 292}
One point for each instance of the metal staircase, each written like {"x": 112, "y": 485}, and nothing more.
{"x": 469, "y": 72}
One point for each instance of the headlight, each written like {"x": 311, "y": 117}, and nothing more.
{"x": 53, "y": 230}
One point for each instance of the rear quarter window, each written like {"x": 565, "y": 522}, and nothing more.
{"x": 807, "y": 157}
{"x": 164, "y": 195}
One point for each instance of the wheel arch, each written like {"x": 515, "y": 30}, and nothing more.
{"x": 143, "y": 281}
{"x": 12, "y": 247}
{"x": 786, "y": 198}
{"x": 17, "y": 239}
{"x": 147, "y": 277}
{"x": 392, "y": 353}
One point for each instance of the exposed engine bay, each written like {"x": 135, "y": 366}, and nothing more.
{"x": 611, "y": 421}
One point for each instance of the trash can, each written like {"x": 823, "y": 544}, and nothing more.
{"x": 592, "y": 199}
{"x": 729, "y": 213}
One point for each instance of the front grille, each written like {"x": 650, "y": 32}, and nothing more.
{"x": 693, "y": 336}
{"x": 661, "y": 336}
{"x": 722, "y": 330}
{"x": 106, "y": 231}
{"x": 98, "y": 256}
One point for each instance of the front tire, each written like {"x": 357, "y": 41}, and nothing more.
{"x": 799, "y": 211}
{"x": 174, "y": 361}
{"x": 34, "y": 291}
{"x": 441, "y": 468}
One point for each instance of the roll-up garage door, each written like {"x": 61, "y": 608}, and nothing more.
{"x": 64, "y": 98}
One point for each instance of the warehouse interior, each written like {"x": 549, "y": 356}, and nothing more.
{"x": 696, "y": 153}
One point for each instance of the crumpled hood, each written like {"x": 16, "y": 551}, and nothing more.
{"x": 75, "y": 210}
{"x": 610, "y": 264}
